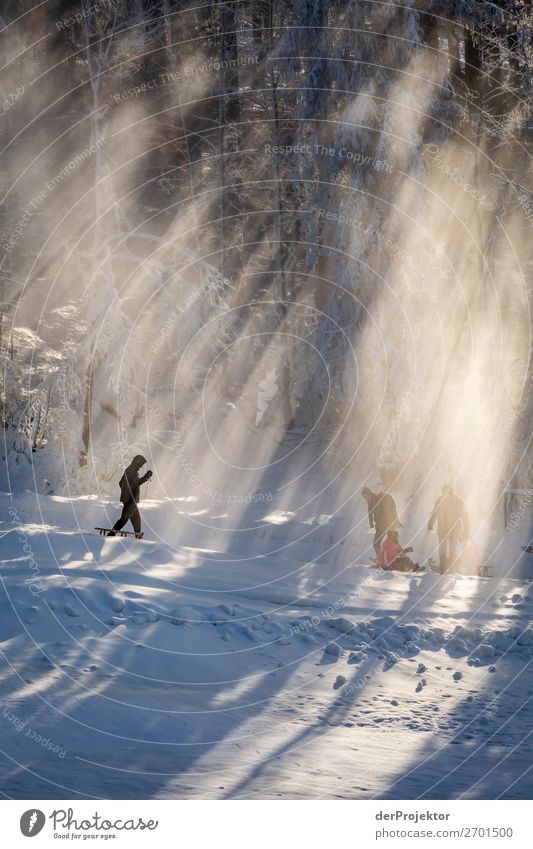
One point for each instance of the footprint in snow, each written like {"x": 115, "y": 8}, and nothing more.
{"x": 333, "y": 650}
{"x": 138, "y": 619}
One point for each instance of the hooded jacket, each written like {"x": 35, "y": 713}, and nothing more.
{"x": 130, "y": 482}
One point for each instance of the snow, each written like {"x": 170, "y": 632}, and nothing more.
{"x": 171, "y": 668}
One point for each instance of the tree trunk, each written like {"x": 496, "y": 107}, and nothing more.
{"x": 87, "y": 410}
{"x": 229, "y": 131}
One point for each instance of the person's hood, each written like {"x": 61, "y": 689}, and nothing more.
{"x": 138, "y": 461}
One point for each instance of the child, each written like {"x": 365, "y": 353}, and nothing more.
{"x": 392, "y": 555}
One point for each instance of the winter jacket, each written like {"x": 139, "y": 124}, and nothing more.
{"x": 388, "y": 554}
{"x": 130, "y": 484}
{"x": 451, "y": 517}
{"x": 382, "y": 513}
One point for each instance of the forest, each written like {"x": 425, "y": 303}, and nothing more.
{"x": 266, "y": 276}
{"x": 332, "y": 197}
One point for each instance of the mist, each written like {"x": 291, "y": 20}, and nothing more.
{"x": 278, "y": 270}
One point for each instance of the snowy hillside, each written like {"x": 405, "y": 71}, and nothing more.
{"x": 183, "y": 667}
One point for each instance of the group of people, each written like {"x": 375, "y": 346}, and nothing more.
{"x": 449, "y": 516}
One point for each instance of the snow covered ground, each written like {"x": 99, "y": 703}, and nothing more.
{"x": 273, "y": 662}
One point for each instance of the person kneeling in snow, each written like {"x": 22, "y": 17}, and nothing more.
{"x": 393, "y": 557}
{"x": 130, "y": 493}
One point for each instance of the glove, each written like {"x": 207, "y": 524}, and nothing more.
{"x": 149, "y": 473}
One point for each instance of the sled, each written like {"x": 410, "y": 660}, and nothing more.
{"x": 105, "y": 531}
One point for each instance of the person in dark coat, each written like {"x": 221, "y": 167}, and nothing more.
{"x": 382, "y": 515}
{"x": 453, "y": 527}
{"x": 130, "y": 493}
